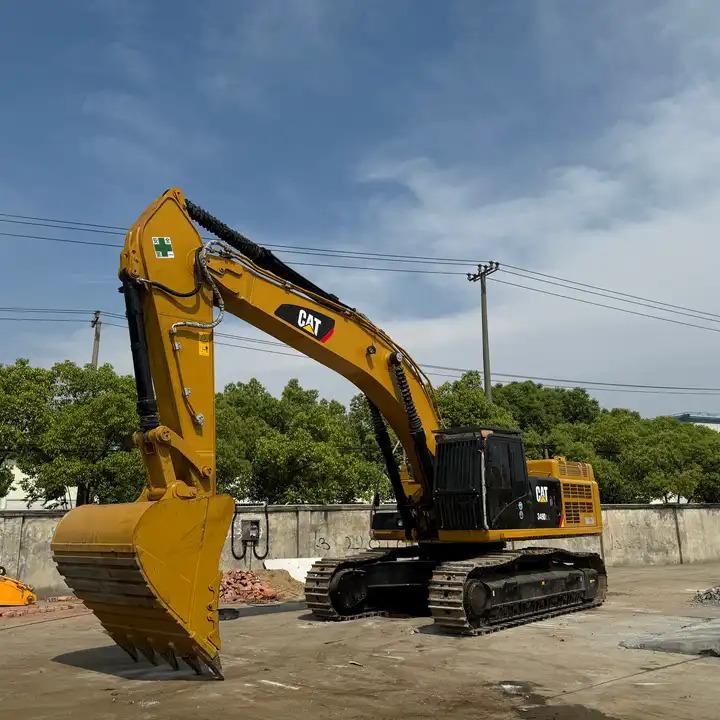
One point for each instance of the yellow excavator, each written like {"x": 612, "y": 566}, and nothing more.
{"x": 13, "y": 592}
{"x": 464, "y": 500}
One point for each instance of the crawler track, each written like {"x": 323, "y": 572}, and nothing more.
{"x": 449, "y": 590}
{"x": 552, "y": 582}
{"x": 320, "y": 575}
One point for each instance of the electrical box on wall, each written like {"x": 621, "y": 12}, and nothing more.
{"x": 249, "y": 531}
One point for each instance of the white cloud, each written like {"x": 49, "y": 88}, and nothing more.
{"x": 639, "y": 212}
{"x": 633, "y": 206}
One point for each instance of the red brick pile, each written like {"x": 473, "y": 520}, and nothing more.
{"x": 53, "y": 604}
{"x": 244, "y": 586}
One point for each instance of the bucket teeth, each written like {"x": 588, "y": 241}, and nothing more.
{"x": 170, "y": 657}
{"x": 130, "y": 650}
{"x": 194, "y": 662}
{"x": 128, "y": 563}
{"x": 215, "y": 667}
{"x": 149, "y": 653}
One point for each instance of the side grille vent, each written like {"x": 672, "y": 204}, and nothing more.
{"x": 573, "y": 509}
{"x": 577, "y": 501}
{"x": 573, "y": 469}
{"x": 576, "y": 491}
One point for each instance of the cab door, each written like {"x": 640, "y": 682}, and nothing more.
{"x": 507, "y": 490}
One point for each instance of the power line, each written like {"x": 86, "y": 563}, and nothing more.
{"x": 610, "y": 307}
{"x": 563, "y": 387}
{"x": 343, "y": 267}
{"x": 288, "y": 249}
{"x": 621, "y": 387}
{"x": 65, "y": 226}
{"x": 338, "y": 252}
{"x": 50, "y": 320}
{"x": 277, "y": 344}
{"x": 613, "y": 386}
{"x": 64, "y": 311}
{"x": 390, "y": 257}
{"x": 578, "y": 382}
{"x": 424, "y": 272}
{"x": 380, "y": 269}
{"x": 368, "y": 255}
{"x": 442, "y": 272}
{"x": 68, "y": 225}
{"x": 615, "y": 292}
{"x": 612, "y": 297}
{"x": 247, "y": 338}
{"x": 270, "y": 352}
{"x": 60, "y": 240}
{"x": 597, "y": 389}
{"x": 69, "y": 222}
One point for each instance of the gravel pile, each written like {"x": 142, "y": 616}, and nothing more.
{"x": 245, "y": 586}
{"x": 711, "y": 596}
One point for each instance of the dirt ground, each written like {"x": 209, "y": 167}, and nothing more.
{"x": 279, "y": 663}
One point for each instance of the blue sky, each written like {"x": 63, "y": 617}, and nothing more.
{"x": 574, "y": 138}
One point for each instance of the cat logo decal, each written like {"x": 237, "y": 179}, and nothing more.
{"x": 314, "y": 323}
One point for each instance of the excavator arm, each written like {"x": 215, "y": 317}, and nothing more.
{"x": 149, "y": 569}
{"x": 172, "y": 284}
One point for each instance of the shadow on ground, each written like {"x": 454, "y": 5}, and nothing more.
{"x": 233, "y": 613}
{"x": 111, "y": 660}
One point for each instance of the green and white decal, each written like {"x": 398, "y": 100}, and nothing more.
{"x": 163, "y": 247}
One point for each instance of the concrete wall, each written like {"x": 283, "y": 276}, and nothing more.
{"x": 25, "y": 549}
{"x": 633, "y": 535}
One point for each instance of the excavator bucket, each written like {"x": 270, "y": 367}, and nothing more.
{"x": 150, "y": 573}
{"x": 13, "y": 592}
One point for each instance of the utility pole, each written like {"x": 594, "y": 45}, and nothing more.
{"x": 483, "y": 271}
{"x": 82, "y": 494}
{"x": 96, "y": 323}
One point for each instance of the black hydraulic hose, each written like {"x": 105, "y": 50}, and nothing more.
{"x": 261, "y": 256}
{"x": 178, "y": 293}
{"x": 232, "y": 539}
{"x": 146, "y": 403}
{"x": 383, "y": 441}
{"x": 267, "y": 538}
{"x": 245, "y": 543}
{"x": 416, "y": 429}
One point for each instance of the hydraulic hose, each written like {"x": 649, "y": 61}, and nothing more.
{"x": 146, "y": 403}
{"x": 383, "y": 441}
{"x": 415, "y": 424}
{"x": 262, "y": 257}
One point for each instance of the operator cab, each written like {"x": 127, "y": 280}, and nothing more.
{"x": 482, "y": 483}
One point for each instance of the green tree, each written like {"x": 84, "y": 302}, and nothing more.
{"x": 245, "y": 412}
{"x": 84, "y": 438}
{"x": 6, "y": 481}
{"x": 463, "y": 402}
{"x": 542, "y": 408}
{"x": 294, "y": 467}
{"x": 361, "y": 421}
{"x": 671, "y": 459}
{"x": 24, "y": 406}
{"x": 295, "y": 448}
